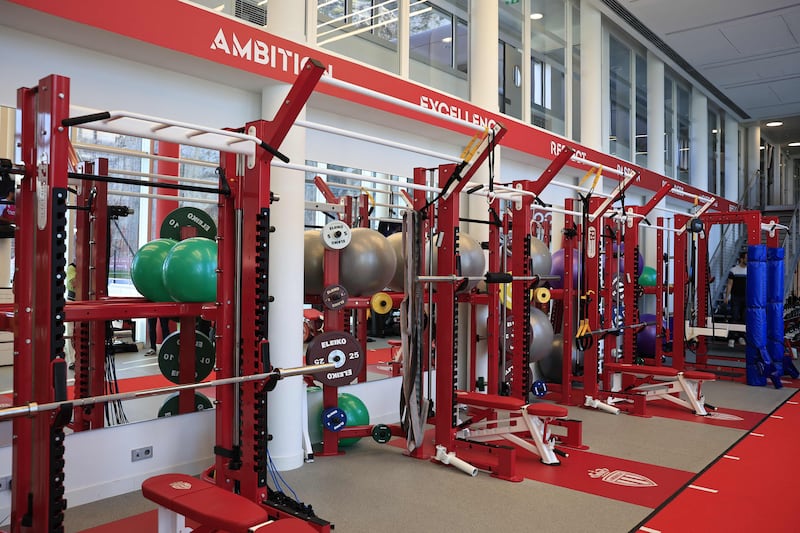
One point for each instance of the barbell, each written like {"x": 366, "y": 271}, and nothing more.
{"x": 33, "y": 408}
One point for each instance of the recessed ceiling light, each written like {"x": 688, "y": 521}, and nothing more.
{"x": 796, "y": 143}
{"x": 774, "y": 124}
{"x": 447, "y": 40}
{"x": 536, "y": 16}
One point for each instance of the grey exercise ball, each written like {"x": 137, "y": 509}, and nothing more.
{"x": 313, "y": 252}
{"x": 367, "y": 264}
{"x": 398, "y": 281}
{"x": 541, "y": 258}
{"x": 473, "y": 261}
{"x": 542, "y": 335}
{"x": 551, "y": 366}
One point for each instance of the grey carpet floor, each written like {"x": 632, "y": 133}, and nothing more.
{"x": 375, "y": 488}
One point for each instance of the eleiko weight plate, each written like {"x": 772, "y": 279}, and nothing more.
{"x": 336, "y": 347}
{"x": 169, "y": 362}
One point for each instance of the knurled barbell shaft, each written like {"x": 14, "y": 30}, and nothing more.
{"x": 278, "y": 373}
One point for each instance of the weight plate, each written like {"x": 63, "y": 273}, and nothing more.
{"x": 171, "y": 405}
{"x": 381, "y": 303}
{"x": 541, "y": 295}
{"x": 334, "y": 419}
{"x": 381, "y": 433}
{"x": 336, "y": 235}
{"x": 339, "y": 348}
{"x": 188, "y": 216}
{"x": 539, "y": 388}
{"x": 334, "y": 297}
{"x": 169, "y": 362}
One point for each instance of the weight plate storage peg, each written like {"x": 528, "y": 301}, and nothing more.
{"x": 339, "y": 348}
{"x": 334, "y": 297}
{"x": 381, "y": 433}
{"x": 169, "y": 362}
{"x": 336, "y": 235}
{"x": 334, "y": 419}
{"x": 188, "y": 217}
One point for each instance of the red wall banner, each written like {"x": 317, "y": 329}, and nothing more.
{"x": 204, "y": 34}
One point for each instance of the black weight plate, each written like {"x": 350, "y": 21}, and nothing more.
{"x": 171, "y": 405}
{"x": 168, "y": 357}
{"x": 188, "y": 216}
{"x": 381, "y": 433}
{"x": 336, "y": 347}
{"x": 334, "y": 297}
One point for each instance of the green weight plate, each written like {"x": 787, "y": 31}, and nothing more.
{"x": 171, "y": 405}
{"x": 188, "y": 216}
{"x": 169, "y": 362}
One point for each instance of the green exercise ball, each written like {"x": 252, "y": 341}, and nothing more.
{"x": 190, "y": 270}
{"x": 357, "y": 415}
{"x": 648, "y": 277}
{"x": 147, "y": 267}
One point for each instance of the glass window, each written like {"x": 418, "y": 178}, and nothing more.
{"x": 620, "y": 96}
{"x": 641, "y": 111}
{"x": 510, "y": 18}
{"x": 669, "y": 127}
{"x": 576, "y": 72}
{"x": 548, "y": 64}
{"x": 713, "y": 150}
{"x": 362, "y": 29}
{"x": 683, "y": 119}
{"x": 432, "y": 35}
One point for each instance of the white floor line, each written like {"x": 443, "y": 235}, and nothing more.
{"x": 779, "y": 417}
{"x": 733, "y": 457}
{"x": 704, "y": 489}
{"x": 757, "y": 435}
{"x": 649, "y": 530}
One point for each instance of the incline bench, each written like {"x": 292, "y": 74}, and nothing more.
{"x": 180, "y": 496}
{"x": 639, "y": 384}
{"x": 530, "y": 418}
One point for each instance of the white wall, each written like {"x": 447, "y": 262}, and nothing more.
{"x": 106, "y": 82}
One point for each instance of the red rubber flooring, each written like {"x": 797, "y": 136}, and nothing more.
{"x": 710, "y": 500}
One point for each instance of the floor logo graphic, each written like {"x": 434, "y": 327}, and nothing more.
{"x": 621, "y": 477}
{"x": 724, "y": 416}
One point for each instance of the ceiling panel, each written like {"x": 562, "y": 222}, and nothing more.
{"x": 759, "y": 69}
{"x": 787, "y": 90}
{"x": 759, "y": 35}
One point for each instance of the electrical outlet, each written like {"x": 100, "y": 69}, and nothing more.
{"x": 5, "y": 483}
{"x": 139, "y": 454}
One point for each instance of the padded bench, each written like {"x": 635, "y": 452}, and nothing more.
{"x": 532, "y": 419}
{"x": 626, "y": 382}
{"x": 181, "y": 496}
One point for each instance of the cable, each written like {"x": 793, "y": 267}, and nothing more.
{"x": 274, "y": 471}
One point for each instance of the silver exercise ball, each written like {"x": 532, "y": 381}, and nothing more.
{"x": 550, "y": 367}
{"x": 313, "y": 252}
{"x": 540, "y": 257}
{"x": 473, "y": 262}
{"x": 367, "y": 264}
{"x": 398, "y": 281}
{"x": 542, "y": 335}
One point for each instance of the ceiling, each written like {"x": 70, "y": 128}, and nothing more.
{"x": 748, "y": 49}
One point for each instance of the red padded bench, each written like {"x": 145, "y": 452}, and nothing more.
{"x": 639, "y": 384}
{"x": 530, "y": 419}
{"x": 181, "y": 496}
{"x": 507, "y": 403}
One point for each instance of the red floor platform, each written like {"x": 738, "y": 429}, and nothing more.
{"x": 743, "y": 489}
